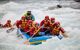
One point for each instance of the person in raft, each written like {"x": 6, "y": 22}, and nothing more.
{"x": 57, "y": 30}
{"x": 52, "y": 24}
{"x": 29, "y": 16}
{"x": 46, "y": 25}
{"x": 21, "y": 23}
{"x": 8, "y": 24}
{"x": 28, "y": 27}
{"x": 35, "y": 30}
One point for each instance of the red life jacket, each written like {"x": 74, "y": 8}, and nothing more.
{"x": 51, "y": 24}
{"x": 56, "y": 30}
{"x": 28, "y": 27}
{"x": 23, "y": 23}
{"x": 46, "y": 23}
{"x": 33, "y": 30}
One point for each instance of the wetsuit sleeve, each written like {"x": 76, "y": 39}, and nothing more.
{"x": 41, "y": 23}
{"x": 18, "y": 23}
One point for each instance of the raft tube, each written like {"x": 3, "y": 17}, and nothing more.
{"x": 34, "y": 40}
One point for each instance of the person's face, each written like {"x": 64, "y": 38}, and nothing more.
{"x": 23, "y": 18}
{"x": 58, "y": 25}
{"x": 8, "y": 21}
{"x": 46, "y": 19}
{"x": 52, "y": 21}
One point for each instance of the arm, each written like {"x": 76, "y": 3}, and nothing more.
{"x": 18, "y": 23}
{"x": 63, "y": 32}
{"x": 33, "y": 18}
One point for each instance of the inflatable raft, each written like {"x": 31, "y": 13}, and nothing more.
{"x": 34, "y": 40}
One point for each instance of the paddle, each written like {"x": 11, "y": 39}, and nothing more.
{"x": 10, "y": 30}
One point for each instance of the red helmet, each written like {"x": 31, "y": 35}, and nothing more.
{"x": 52, "y": 18}
{"x": 23, "y": 17}
{"x": 30, "y": 21}
{"x": 57, "y": 23}
{"x": 8, "y": 20}
{"x": 46, "y": 17}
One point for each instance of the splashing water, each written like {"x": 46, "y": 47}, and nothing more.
{"x": 68, "y": 17}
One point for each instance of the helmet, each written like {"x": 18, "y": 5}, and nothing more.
{"x": 8, "y": 20}
{"x": 23, "y": 17}
{"x": 46, "y": 17}
{"x": 28, "y": 12}
{"x": 52, "y": 18}
{"x": 30, "y": 21}
{"x": 57, "y": 23}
